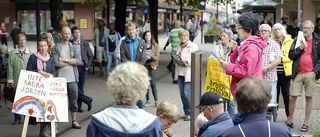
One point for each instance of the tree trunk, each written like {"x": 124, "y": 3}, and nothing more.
{"x": 153, "y": 16}
{"x": 181, "y": 10}
{"x": 120, "y": 14}
{"x": 56, "y": 13}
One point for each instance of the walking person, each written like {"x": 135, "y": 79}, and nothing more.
{"x": 66, "y": 59}
{"x": 305, "y": 71}
{"x": 18, "y": 59}
{"x": 152, "y": 53}
{"x": 111, "y": 40}
{"x": 85, "y": 58}
{"x": 284, "y": 68}
{"x": 42, "y": 63}
{"x": 15, "y": 30}
{"x": 183, "y": 70}
{"x": 3, "y": 34}
{"x": 98, "y": 43}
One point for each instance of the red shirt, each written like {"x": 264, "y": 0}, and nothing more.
{"x": 306, "y": 64}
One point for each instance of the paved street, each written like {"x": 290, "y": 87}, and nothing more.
{"x": 96, "y": 88}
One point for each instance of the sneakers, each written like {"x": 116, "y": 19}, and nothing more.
{"x": 76, "y": 125}
{"x": 147, "y": 104}
{"x": 90, "y": 104}
{"x": 156, "y": 104}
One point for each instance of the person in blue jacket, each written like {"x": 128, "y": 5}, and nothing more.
{"x": 128, "y": 82}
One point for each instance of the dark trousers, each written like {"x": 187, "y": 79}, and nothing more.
{"x": 14, "y": 42}
{"x": 283, "y": 85}
{"x": 82, "y": 79}
{"x": 152, "y": 75}
{"x": 4, "y": 40}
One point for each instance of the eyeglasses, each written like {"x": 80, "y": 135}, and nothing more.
{"x": 263, "y": 31}
{"x": 203, "y": 109}
{"x": 306, "y": 28}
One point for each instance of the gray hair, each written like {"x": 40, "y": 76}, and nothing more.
{"x": 128, "y": 82}
{"x": 3, "y": 48}
{"x": 278, "y": 25}
{"x": 228, "y": 32}
{"x": 265, "y": 25}
{"x": 308, "y": 21}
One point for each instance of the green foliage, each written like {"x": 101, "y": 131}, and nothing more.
{"x": 316, "y": 134}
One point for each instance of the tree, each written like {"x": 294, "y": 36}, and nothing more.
{"x": 120, "y": 11}
{"x": 56, "y": 13}
{"x": 153, "y": 16}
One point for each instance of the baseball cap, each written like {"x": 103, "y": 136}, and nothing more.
{"x": 210, "y": 98}
{"x": 284, "y": 17}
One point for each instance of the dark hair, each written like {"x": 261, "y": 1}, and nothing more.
{"x": 249, "y": 22}
{"x": 74, "y": 28}
{"x": 265, "y": 14}
{"x": 253, "y": 95}
{"x": 232, "y": 26}
{"x": 41, "y": 40}
{"x": 111, "y": 24}
{"x": 72, "y": 21}
{"x": 100, "y": 20}
{"x": 153, "y": 42}
{"x": 297, "y": 18}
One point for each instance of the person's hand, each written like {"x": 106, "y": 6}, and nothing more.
{"x": 11, "y": 85}
{"x": 61, "y": 59}
{"x": 224, "y": 64}
{"x": 233, "y": 45}
{"x": 265, "y": 69}
{"x": 168, "y": 132}
{"x": 148, "y": 56}
{"x": 184, "y": 61}
{"x": 303, "y": 45}
{"x": 119, "y": 59}
{"x": 224, "y": 58}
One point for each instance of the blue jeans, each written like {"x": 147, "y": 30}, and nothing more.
{"x": 230, "y": 106}
{"x": 273, "y": 91}
{"x": 166, "y": 31}
{"x": 17, "y": 117}
{"x": 82, "y": 79}
{"x": 184, "y": 88}
{"x": 152, "y": 75}
{"x": 111, "y": 57}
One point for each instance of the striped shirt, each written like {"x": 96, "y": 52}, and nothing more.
{"x": 174, "y": 38}
{"x": 280, "y": 68}
{"x": 270, "y": 53}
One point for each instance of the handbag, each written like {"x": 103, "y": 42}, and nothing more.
{"x": 8, "y": 94}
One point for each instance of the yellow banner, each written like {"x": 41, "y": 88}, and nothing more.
{"x": 216, "y": 80}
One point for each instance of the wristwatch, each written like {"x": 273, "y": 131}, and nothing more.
{"x": 66, "y": 60}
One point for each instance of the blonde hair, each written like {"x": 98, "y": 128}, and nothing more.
{"x": 131, "y": 24}
{"x": 183, "y": 32}
{"x": 128, "y": 82}
{"x": 19, "y": 36}
{"x": 52, "y": 44}
{"x": 168, "y": 111}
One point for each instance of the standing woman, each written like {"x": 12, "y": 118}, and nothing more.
{"x": 183, "y": 70}
{"x": 18, "y": 60}
{"x": 152, "y": 52}
{"x": 284, "y": 68}
{"x": 42, "y": 63}
{"x": 50, "y": 42}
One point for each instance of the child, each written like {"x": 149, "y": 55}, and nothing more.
{"x": 168, "y": 113}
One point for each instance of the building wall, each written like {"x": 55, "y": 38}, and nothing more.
{"x": 7, "y": 9}
{"x": 85, "y": 11}
{"x": 308, "y": 11}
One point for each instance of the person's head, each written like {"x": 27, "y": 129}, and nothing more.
{"x": 177, "y": 23}
{"x": 211, "y": 104}
{"x": 128, "y": 83}
{"x": 253, "y": 95}
{"x": 100, "y": 22}
{"x": 62, "y": 24}
{"x": 131, "y": 30}
{"x": 14, "y": 23}
{"x": 265, "y": 31}
{"x": 295, "y": 21}
{"x": 3, "y": 24}
{"x": 3, "y": 49}
{"x": 71, "y": 22}
{"x": 168, "y": 113}
{"x": 76, "y": 33}
{"x": 183, "y": 36}
{"x": 248, "y": 25}
{"x": 65, "y": 33}
{"x": 51, "y": 30}
{"x": 318, "y": 21}
{"x": 233, "y": 28}
{"x": 42, "y": 46}
{"x": 284, "y": 19}
{"x": 278, "y": 31}
{"x": 147, "y": 36}
{"x": 137, "y": 29}
{"x": 111, "y": 27}
{"x": 225, "y": 35}
{"x": 48, "y": 37}
{"x": 21, "y": 40}
{"x": 307, "y": 28}
{"x": 267, "y": 16}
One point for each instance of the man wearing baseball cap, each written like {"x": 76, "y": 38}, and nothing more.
{"x": 211, "y": 104}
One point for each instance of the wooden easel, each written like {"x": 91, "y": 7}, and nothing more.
{"x": 25, "y": 127}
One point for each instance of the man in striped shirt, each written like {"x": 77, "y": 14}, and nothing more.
{"x": 271, "y": 58}
{"x": 175, "y": 41}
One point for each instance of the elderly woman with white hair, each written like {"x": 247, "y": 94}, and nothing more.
{"x": 284, "y": 68}
{"x": 128, "y": 82}
{"x": 4, "y": 56}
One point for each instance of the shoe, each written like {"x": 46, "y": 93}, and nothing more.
{"x": 90, "y": 104}
{"x": 147, "y": 104}
{"x": 156, "y": 104}
{"x": 16, "y": 122}
{"x": 175, "y": 82}
{"x": 80, "y": 110}
{"x": 76, "y": 125}
{"x": 101, "y": 74}
{"x": 186, "y": 118}
{"x": 289, "y": 125}
{"x": 43, "y": 134}
{"x": 304, "y": 128}
{"x": 164, "y": 48}
{"x": 182, "y": 117}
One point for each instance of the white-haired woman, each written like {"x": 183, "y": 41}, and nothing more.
{"x": 128, "y": 82}
{"x": 284, "y": 69}
{"x": 183, "y": 71}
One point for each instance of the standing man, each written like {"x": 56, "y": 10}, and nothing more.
{"x": 305, "y": 71}
{"x": 175, "y": 41}
{"x": 133, "y": 49}
{"x": 271, "y": 58}
{"x": 190, "y": 28}
{"x": 14, "y": 32}
{"x": 211, "y": 104}
{"x": 66, "y": 59}
{"x": 111, "y": 39}
{"x": 293, "y": 29}
{"x": 98, "y": 43}
{"x": 266, "y": 19}
{"x": 284, "y": 21}
{"x": 85, "y": 58}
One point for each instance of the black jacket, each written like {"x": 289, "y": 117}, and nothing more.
{"x": 86, "y": 53}
{"x": 295, "y": 54}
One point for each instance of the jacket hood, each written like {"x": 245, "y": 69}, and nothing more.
{"x": 258, "y": 40}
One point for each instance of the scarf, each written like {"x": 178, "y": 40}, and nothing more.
{"x": 133, "y": 47}
{"x": 41, "y": 60}
{"x": 182, "y": 45}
